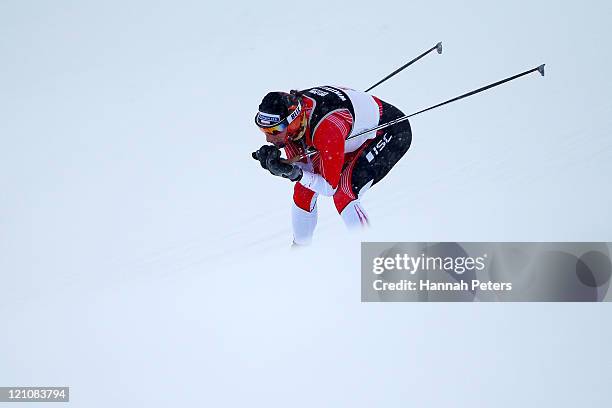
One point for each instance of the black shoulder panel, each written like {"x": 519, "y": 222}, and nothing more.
{"x": 327, "y": 99}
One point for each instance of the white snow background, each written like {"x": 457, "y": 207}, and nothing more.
{"x": 144, "y": 256}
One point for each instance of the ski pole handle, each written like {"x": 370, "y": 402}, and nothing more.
{"x": 286, "y": 161}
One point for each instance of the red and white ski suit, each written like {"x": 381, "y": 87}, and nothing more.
{"x": 329, "y": 171}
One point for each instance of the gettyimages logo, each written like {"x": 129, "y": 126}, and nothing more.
{"x": 411, "y": 264}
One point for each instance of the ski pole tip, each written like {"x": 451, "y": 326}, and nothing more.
{"x": 541, "y": 69}
{"x": 439, "y": 47}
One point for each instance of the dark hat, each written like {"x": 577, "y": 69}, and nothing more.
{"x": 276, "y": 105}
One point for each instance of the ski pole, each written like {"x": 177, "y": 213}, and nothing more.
{"x": 540, "y": 69}
{"x": 437, "y": 47}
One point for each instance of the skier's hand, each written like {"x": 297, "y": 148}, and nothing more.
{"x": 266, "y": 152}
{"x": 286, "y": 170}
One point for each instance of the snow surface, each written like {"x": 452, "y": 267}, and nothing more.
{"x": 144, "y": 255}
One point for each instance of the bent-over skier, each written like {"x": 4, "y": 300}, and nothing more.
{"x": 324, "y": 118}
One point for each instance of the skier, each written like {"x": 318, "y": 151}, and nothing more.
{"x": 323, "y": 118}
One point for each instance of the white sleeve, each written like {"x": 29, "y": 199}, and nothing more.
{"x": 304, "y": 223}
{"x": 316, "y": 183}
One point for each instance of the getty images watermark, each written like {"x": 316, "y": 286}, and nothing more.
{"x": 453, "y": 271}
{"x": 411, "y": 264}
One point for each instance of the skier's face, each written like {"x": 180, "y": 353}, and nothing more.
{"x": 277, "y": 140}
{"x": 290, "y": 128}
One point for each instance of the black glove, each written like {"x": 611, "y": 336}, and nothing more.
{"x": 269, "y": 158}
{"x": 286, "y": 170}
{"x": 264, "y": 153}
